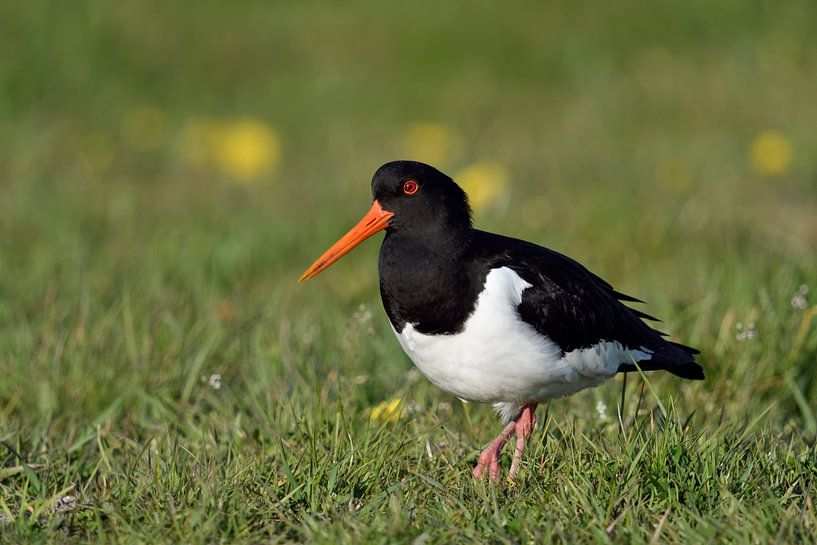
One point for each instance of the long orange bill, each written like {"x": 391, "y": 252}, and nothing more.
{"x": 375, "y": 220}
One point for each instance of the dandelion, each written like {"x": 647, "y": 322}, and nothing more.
{"x": 799, "y": 300}
{"x": 215, "y": 381}
{"x": 433, "y": 143}
{"x": 387, "y": 411}
{"x": 243, "y": 150}
{"x": 486, "y": 184}
{"x": 247, "y": 148}
{"x": 143, "y": 127}
{"x": 771, "y": 154}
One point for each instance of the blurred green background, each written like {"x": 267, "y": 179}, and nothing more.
{"x": 167, "y": 170}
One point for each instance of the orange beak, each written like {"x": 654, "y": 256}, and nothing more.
{"x": 374, "y": 221}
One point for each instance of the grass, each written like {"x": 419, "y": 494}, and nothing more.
{"x": 159, "y": 363}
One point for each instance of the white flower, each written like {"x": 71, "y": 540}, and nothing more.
{"x": 799, "y": 300}
{"x": 601, "y": 409}
{"x": 363, "y": 314}
{"x": 749, "y": 333}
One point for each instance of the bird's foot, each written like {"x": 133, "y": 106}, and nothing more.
{"x": 525, "y": 424}
{"x": 522, "y": 426}
{"x": 489, "y": 458}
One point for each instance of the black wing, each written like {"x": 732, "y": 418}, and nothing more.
{"x": 577, "y": 309}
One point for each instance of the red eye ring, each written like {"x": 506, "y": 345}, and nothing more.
{"x": 410, "y": 187}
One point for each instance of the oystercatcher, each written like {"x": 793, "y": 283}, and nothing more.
{"x": 495, "y": 319}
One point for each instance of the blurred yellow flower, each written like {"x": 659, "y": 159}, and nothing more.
{"x": 243, "y": 149}
{"x": 143, "y": 127}
{"x": 387, "y": 411}
{"x": 486, "y": 183}
{"x": 771, "y": 154}
{"x": 247, "y": 149}
{"x": 433, "y": 143}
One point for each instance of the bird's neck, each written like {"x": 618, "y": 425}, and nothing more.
{"x": 424, "y": 280}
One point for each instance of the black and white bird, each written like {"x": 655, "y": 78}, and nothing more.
{"x": 494, "y": 319}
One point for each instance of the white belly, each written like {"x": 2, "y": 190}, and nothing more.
{"x": 498, "y": 358}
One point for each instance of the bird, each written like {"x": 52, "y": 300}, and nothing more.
{"x": 494, "y": 319}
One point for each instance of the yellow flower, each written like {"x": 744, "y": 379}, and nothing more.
{"x": 387, "y": 411}
{"x": 771, "y": 154}
{"x": 486, "y": 184}
{"x": 242, "y": 149}
{"x": 247, "y": 148}
{"x": 143, "y": 127}
{"x": 433, "y": 143}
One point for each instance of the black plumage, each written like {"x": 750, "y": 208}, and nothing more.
{"x": 433, "y": 266}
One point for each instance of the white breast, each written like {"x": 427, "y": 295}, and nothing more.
{"x": 498, "y": 358}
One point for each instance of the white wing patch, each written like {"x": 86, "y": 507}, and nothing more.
{"x": 499, "y": 358}
{"x": 604, "y": 358}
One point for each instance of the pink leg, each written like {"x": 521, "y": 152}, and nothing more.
{"x": 523, "y": 426}
{"x": 525, "y": 423}
{"x": 489, "y": 458}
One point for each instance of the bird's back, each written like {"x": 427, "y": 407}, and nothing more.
{"x": 577, "y": 309}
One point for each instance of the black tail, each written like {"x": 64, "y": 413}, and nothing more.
{"x": 676, "y": 358}
{"x": 690, "y": 370}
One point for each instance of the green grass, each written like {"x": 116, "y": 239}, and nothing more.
{"x": 129, "y": 277}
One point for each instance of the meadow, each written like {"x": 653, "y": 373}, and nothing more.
{"x": 167, "y": 170}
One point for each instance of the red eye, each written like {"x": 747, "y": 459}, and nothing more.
{"x": 410, "y": 187}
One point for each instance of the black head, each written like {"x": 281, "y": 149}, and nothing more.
{"x": 421, "y": 198}
{"x": 411, "y": 200}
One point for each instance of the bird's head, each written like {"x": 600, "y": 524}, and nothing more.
{"x": 409, "y": 197}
